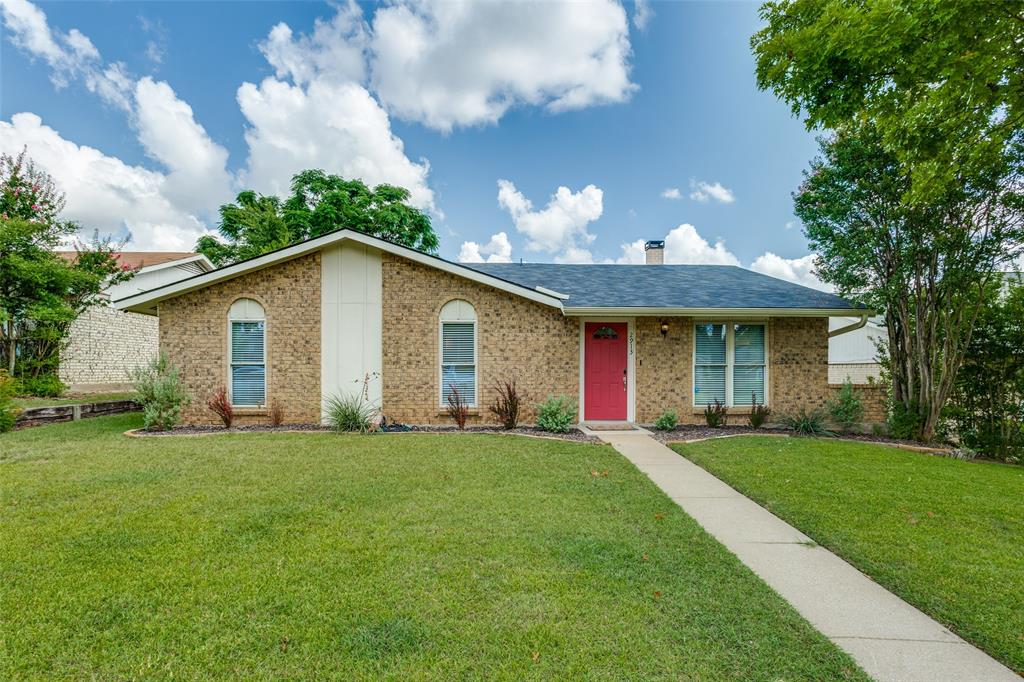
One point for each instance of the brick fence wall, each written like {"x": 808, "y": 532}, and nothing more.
{"x": 873, "y": 397}
{"x": 517, "y": 338}
{"x": 105, "y": 345}
{"x": 194, "y": 334}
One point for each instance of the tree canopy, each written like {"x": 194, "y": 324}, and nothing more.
{"x": 40, "y": 292}
{"x": 943, "y": 82}
{"x": 319, "y": 203}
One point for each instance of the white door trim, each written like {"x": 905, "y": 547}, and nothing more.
{"x": 630, "y": 364}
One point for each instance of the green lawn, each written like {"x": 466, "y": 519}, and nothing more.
{"x": 945, "y": 535}
{"x": 270, "y": 556}
{"x": 81, "y": 399}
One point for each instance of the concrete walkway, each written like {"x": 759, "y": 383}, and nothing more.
{"x": 889, "y": 638}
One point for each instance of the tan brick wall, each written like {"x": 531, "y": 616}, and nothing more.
{"x": 194, "y": 334}
{"x": 516, "y": 337}
{"x": 664, "y": 368}
{"x": 873, "y": 397}
{"x": 798, "y": 370}
{"x": 105, "y": 345}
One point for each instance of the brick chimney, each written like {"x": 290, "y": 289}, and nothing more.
{"x": 655, "y": 252}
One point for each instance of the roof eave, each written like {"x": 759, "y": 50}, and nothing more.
{"x": 146, "y": 302}
{"x": 715, "y": 312}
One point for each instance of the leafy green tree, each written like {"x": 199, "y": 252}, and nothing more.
{"x": 926, "y": 267}
{"x": 942, "y": 81}
{"x": 40, "y": 292}
{"x": 319, "y": 203}
{"x": 988, "y": 403}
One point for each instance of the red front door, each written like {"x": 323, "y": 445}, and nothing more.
{"x": 604, "y": 373}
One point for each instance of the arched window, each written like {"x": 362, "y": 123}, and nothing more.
{"x": 458, "y": 351}
{"x": 247, "y": 354}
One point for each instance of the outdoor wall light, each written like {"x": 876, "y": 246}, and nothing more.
{"x": 664, "y": 328}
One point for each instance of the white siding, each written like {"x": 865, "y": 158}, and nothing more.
{"x": 350, "y": 343}
{"x": 854, "y": 353}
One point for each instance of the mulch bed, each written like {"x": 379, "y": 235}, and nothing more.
{"x": 574, "y": 435}
{"x": 685, "y": 432}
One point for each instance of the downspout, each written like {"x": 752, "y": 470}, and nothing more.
{"x": 850, "y": 327}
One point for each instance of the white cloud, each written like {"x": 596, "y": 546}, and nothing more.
{"x": 338, "y": 127}
{"x": 642, "y": 13}
{"x": 102, "y": 191}
{"x": 333, "y": 51}
{"x": 790, "y": 224}
{"x": 498, "y": 250}
{"x": 705, "y": 191}
{"x": 671, "y": 193}
{"x": 168, "y": 131}
{"x": 560, "y": 228}
{"x": 798, "y": 270}
{"x": 683, "y": 245}
{"x": 450, "y": 63}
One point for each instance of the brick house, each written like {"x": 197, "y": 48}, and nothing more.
{"x": 346, "y": 312}
{"x": 106, "y": 344}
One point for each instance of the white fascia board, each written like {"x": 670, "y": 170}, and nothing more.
{"x": 717, "y": 312}
{"x": 198, "y": 258}
{"x": 145, "y": 302}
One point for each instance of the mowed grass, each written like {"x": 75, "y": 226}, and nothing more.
{"x": 298, "y": 556}
{"x": 947, "y": 536}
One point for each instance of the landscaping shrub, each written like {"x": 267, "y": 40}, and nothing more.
{"x": 507, "y": 404}
{"x": 458, "y": 410}
{"x": 807, "y": 422}
{"x": 904, "y": 423}
{"x": 160, "y": 394}
{"x": 716, "y": 414}
{"x": 221, "y": 406}
{"x": 758, "y": 413}
{"x": 846, "y": 410}
{"x": 42, "y": 386}
{"x": 667, "y": 421}
{"x": 349, "y": 412}
{"x": 276, "y": 413}
{"x": 8, "y": 410}
{"x": 556, "y": 414}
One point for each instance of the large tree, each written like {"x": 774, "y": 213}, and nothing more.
{"x": 926, "y": 266}
{"x": 40, "y": 292}
{"x": 319, "y": 203}
{"x": 942, "y": 81}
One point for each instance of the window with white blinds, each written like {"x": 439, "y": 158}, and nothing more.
{"x": 458, "y": 351}
{"x": 247, "y": 351}
{"x": 729, "y": 364}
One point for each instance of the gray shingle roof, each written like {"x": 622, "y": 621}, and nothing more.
{"x": 663, "y": 286}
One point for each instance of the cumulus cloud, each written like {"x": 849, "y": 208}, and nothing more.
{"x": 706, "y": 191}
{"x": 683, "y": 245}
{"x": 102, "y": 191}
{"x": 560, "y": 228}
{"x": 498, "y": 250}
{"x": 338, "y": 127}
{"x": 169, "y": 133}
{"x": 798, "y": 270}
{"x": 671, "y": 193}
{"x": 448, "y": 63}
{"x": 333, "y": 51}
{"x": 642, "y": 13}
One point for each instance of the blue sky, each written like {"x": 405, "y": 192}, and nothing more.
{"x": 141, "y": 112}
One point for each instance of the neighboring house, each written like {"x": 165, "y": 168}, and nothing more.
{"x": 104, "y": 343}
{"x": 854, "y": 355}
{"x": 346, "y": 313}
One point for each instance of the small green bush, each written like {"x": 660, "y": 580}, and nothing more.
{"x": 160, "y": 394}
{"x": 758, "y": 413}
{"x": 716, "y": 414}
{"x": 349, "y": 412}
{"x": 847, "y": 410}
{"x": 42, "y": 386}
{"x": 807, "y": 422}
{"x": 8, "y": 410}
{"x": 904, "y": 423}
{"x": 556, "y": 414}
{"x": 667, "y": 421}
